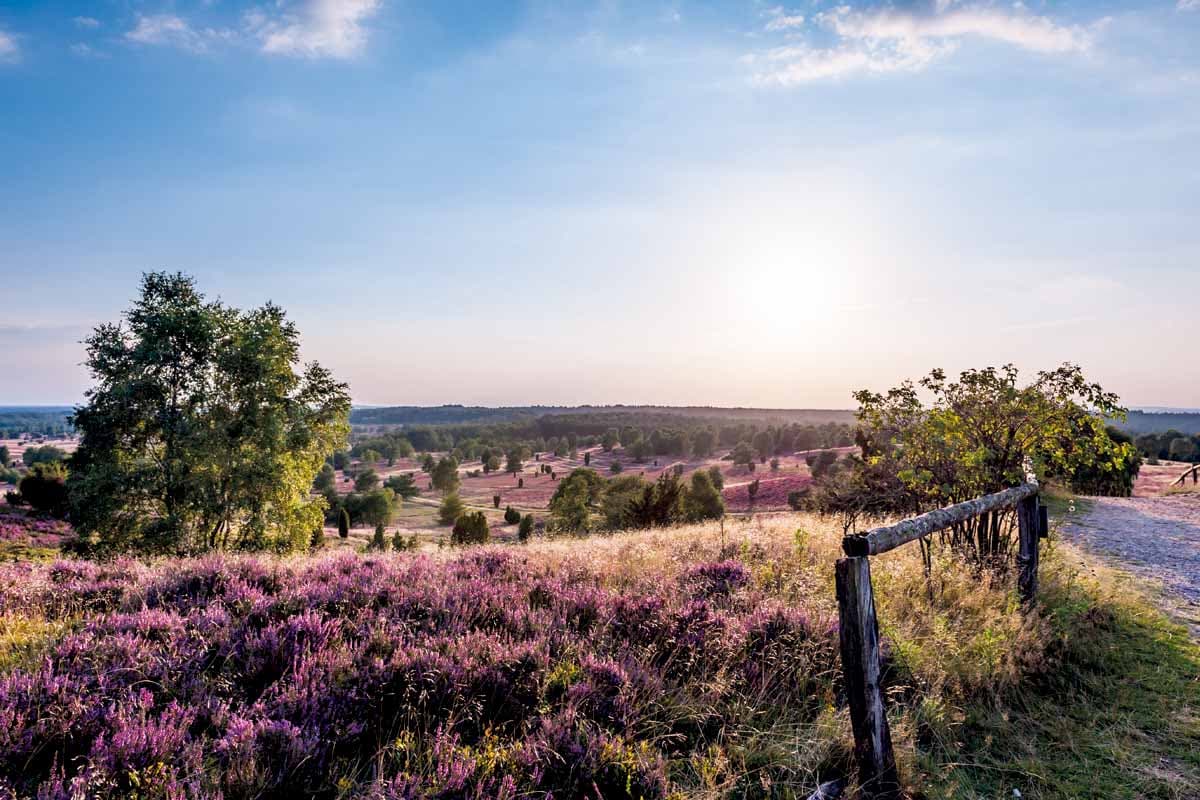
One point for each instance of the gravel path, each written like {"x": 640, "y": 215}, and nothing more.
{"x": 1157, "y": 537}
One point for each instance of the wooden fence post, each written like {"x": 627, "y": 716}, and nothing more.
{"x": 1028, "y": 524}
{"x": 859, "y": 635}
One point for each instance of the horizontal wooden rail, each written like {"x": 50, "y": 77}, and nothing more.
{"x": 881, "y": 540}
{"x": 1193, "y": 470}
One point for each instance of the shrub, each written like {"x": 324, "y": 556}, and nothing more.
{"x": 344, "y": 523}
{"x": 525, "y": 529}
{"x": 317, "y": 540}
{"x": 752, "y": 489}
{"x": 451, "y": 508}
{"x": 511, "y": 515}
{"x": 774, "y": 465}
{"x": 44, "y": 487}
{"x": 378, "y": 542}
{"x": 495, "y": 501}
{"x": 366, "y": 480}
{"x": 470, "y": 528}
{"x": 615, "y": 468}
{"x": 717, "y": 477}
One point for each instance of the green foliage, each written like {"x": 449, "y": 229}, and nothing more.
{"x": 317, "y": 540}
{"x": 619, "y": 495}
{"x": 570, "y": 507}
{"x": 377, "y": 507}
{"x": 717, "y": 477}
{"x": 661, "y": 503}
{"x": 703, "y": 500}
{"x": 5, "y": 456}
{"x": 752, "y": 490}
{"x": 9, "y": 475}
{"x": 774, "y": 465}
{"x": 366, "y": 480}
{"x": 821, "y": 463}
{"x": 609, "y": 440}
{"x": 44, "y": 487}
{"x": 428, "y": 463}
{"x": 514, "y": 463}
{"x": 615, "y": 468}
{"x": 445, "y": 476}
{"x": 511, "y": 515}
{"x": 975, "y": 435}
{"x": 470, "y": 528}
{"x": 326, "y": 478}
{"x": 199, "y": 434}
{"x": 450, "y": 509}
{"x": 525, "y": 528}
{"x": 378, "y": 542}
{"x": 743, "y": 453}
{"x": 403, "y": 484}
{"x": 703, "y": 443}
{"x": 42, "y": 455}
{"x": 344, "y": 524}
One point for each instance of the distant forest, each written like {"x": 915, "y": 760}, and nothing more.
{"x": 39, "y": 420}
{"x": 641, "y": 416}
{"x": 1141, "y": 422}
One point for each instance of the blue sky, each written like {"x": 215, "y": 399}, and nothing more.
{"x": 670, "y": 202}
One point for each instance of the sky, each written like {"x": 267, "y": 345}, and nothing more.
{"x": 673, "y": 202}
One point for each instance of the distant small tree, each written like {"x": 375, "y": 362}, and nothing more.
{"x": 587, "y": 459}
{"x": 317, "y": 540}
{"x": 703, "y": 443}
{"x": 326, "y": 478}
{"x": 615, "y": 468}
{"x": 492, "y": 464}
{"x": 520, "y": 483}
{"x": 445, "y": 475}
{"x": 404, "y": 485}
{"x": 398, "y": 542}
{"x": 609, "y": 440}
{"x": 716, "y": 477}
{"x": 511, "y": 515}
{"x": 752, "y": 490}
{"x": 5, "y": 458}
{"x": 366, "y": 480}
{"x": 378, "y": 542}
{"x": 514, "y": 463}
{"x": 774, "y": 465}
{"x": 451, "y": 509}
{"x": 470, "y": 528}
{"x": 344, "y": 523}
{"x": 743, "y": 454}
{"x": 525, "y": 529}
{"x": 44, "y": 487}
{"x": 703, "y": 500}
{"x": 428, "y": 462}
{"x": 42, "y": 455}
{"x": 378, "y": 506}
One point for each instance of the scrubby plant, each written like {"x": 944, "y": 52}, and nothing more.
{"x": 378, "y": 541}
{"x": 450, "y": 509}
{"x": 615, "y": 468}
{"x": 495, "y": 501}
{"x": 470, "y": 528}
{"x": 344, "y": 523}
{"x": 525, "y": 528}
{"x": 511, "y": 515}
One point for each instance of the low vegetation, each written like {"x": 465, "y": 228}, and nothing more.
{"x": 686, "y": 662}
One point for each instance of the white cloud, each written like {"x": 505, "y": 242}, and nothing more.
{"x": 1188, "y": 5}
{"x": 890, "y": 39}
{"x": 8, "y": 47}
{"x": 86, "y": 22}
{"x": 781, "y": 20}
{"x": 173, "y": 31}
{"x": 84, "y": 50}
{"x": 314, "y": 28}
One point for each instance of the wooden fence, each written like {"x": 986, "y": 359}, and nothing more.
{"x": 1193, "y": 470}
{"x": 861, "y": 664}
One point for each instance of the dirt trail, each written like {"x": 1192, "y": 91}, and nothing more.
{"x": 1155, "y": 537}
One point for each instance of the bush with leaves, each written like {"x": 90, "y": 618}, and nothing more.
{"x": 451, "y": 508}
{"x": 44, "y": 487}
{"x": 445, "y": 477}
{"x": 470, "y": 528}
{"x": 366, "y": 480}
{"x": 511, "y": 515}
{"x": 525, "y": 528}
{"x": 404, "y": 485}
{"x": 703, "y": 500}
{"x": 344, "y": 524}
{"x": 378, "y": 543}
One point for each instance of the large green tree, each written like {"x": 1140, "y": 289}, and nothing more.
{"x": 202, "y": 431}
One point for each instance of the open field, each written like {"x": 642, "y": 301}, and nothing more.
{"x": 17, "y": 447}
{"x": 698, "y": 662}
{"x": 417, "y": 516}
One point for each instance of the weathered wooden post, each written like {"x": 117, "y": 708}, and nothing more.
{"x": 1029, "y": 529}
{"x": 861, "y": 667}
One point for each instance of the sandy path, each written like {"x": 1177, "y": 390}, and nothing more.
{"x": 1156, "y": 537}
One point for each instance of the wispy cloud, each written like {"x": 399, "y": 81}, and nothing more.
{"x": 86, "y": 22}
{"x": 314, "y": 28}
{"x": 84, "y": 50}
{"x": 174, "y": 31}
{"x": 889, "y": 39}
{"x": 779, "y": 19}
{"x": 8, "y": 47}
{"x": 1188, "y": 5}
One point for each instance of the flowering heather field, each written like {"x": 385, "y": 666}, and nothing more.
{"x": 697, "y": 662}
{"x": 772, "y": 492}
{"x": 18, "y": 528}
{"x": 494, "y": 673}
